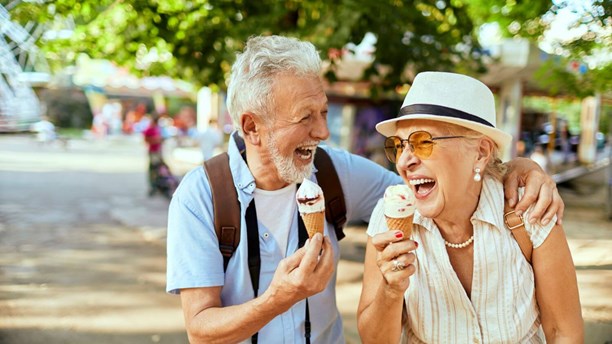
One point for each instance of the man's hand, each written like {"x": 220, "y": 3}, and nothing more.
{"x": 304, "y": 273}
{"x": 539, "y": 187}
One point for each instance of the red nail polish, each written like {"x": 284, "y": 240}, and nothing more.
{"x": 399, "y": 235}
{"x": 416, "y": 244}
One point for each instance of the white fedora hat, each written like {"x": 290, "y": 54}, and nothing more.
{"x": 451, "y": 98}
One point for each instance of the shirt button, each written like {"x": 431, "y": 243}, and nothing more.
{"x": 266, "y": 235}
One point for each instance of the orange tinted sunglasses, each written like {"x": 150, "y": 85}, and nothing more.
{"x": 420, "y": 143}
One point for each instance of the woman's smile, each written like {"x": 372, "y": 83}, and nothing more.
{"x": 422, "y": 186}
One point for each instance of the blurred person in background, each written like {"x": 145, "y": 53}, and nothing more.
{"x": 210, "y": 139}
{"x": 153, "y": 138}
{"x": 45, "y": 130}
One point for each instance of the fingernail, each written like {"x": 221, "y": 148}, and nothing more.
{"x": 532, "y": 220}
{"x": 545, "y": 222}
{"x": 511, "y": 202}
{"x": 518, "y": 212}
{"x": 416, "y": 244}
{"x": 399, "y": 234}
{"x": 560, "y": 221}
{"x": 307, "y": 241}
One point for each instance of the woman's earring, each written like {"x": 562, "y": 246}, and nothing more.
{"x": 477, "y": 176}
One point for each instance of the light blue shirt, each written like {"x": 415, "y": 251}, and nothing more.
{"x": 194, "y": 259}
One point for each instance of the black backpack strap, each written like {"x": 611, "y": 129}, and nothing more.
{"x": 327, "y": 178}
{"x": 225, "y": 205}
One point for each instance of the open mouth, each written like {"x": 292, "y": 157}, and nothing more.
{"x": 305, "y": 152}
{"x": 423, "y": 186}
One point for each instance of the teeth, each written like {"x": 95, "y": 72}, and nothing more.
{"x": 421, "y": 181}
{"x": 304, "y": 153}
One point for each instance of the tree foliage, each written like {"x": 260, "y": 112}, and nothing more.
{"x": 196, "y": 40}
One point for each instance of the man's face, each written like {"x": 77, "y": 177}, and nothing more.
{"x": 299, "y": 124}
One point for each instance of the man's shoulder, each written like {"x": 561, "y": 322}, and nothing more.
{"x": 194, "y": 184}
{"x": 337, "y": 154}
{"x": 344, "y": 159}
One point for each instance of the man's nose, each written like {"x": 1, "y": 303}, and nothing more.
{"x": 320, "y": 130}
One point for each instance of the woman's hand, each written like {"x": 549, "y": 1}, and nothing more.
{"x": 395, "y": 260}
{"x": 382, "y": 294}
{"x": 539, "y": 187}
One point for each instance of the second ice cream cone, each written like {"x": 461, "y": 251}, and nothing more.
{"x": 403, "y": 224}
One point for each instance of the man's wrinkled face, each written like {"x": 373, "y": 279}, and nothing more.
{"x": 299, "y": 124}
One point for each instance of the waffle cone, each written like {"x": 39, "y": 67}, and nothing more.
{"x": 314, "y": 222}
{"x": 403, "y": 224}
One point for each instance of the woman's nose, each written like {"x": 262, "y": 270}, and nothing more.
{"x": 407, "y": 160}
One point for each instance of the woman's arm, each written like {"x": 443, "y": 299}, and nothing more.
{"x": 557, "y": 290}
{"x": 379, "y": 316}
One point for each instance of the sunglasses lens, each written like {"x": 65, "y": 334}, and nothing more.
{"x": 393, "y": 148}
{"x": 422, "y": 143}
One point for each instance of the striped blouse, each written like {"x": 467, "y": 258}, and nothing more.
{"x": 503, "y": 306}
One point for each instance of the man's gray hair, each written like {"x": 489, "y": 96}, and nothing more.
{"x": 255, "y": 69}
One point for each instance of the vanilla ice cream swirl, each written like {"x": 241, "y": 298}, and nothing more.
{"x": 399, "y": 201}
{"x": 310, "y": 198}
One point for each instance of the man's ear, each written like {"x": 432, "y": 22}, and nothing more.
{"x": 250, "y": 127}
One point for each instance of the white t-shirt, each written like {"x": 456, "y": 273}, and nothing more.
{"x": 276, "y": 217}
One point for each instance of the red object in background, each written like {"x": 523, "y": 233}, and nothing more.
{"x": 153, "y": 136}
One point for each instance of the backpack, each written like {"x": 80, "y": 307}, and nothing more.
{"x": 515, "y": 224}
{"x": 226, "y": 206}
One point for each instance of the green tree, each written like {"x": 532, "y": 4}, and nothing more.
{"x": 556, "y": 75}
{"x": 196, "y": 40}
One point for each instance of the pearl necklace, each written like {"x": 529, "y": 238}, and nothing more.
{"x": 461, "y": 245}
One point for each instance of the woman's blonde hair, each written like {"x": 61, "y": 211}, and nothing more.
{"x": 495, "y": 168}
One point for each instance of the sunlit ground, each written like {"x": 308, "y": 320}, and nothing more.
{"x": 82, "y": 258}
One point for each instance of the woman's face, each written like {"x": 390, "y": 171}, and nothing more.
{"x": 444, "y": 180}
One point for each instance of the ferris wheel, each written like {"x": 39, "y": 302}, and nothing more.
{"x": 19, "y": 58}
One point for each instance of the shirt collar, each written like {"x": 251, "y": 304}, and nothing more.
{"x": 491, "y": 204}
{"x": 490, "y": 207}
{"x": 243, "y": 178}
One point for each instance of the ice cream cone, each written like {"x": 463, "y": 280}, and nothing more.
{"x": 403, "y": 224}
{"x": 311, "y": 205}
{"x": 314, "y": 222}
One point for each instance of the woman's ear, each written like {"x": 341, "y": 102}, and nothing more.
{"x": 250, "y": 128}
{"x": 485, "y": 150}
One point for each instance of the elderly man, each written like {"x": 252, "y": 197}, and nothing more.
{"x": 279, "y": 108}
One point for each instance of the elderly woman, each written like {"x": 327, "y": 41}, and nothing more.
{"x": 462, "y": 277}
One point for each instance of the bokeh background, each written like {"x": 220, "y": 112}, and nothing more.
{"x": 82, "y": 240}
